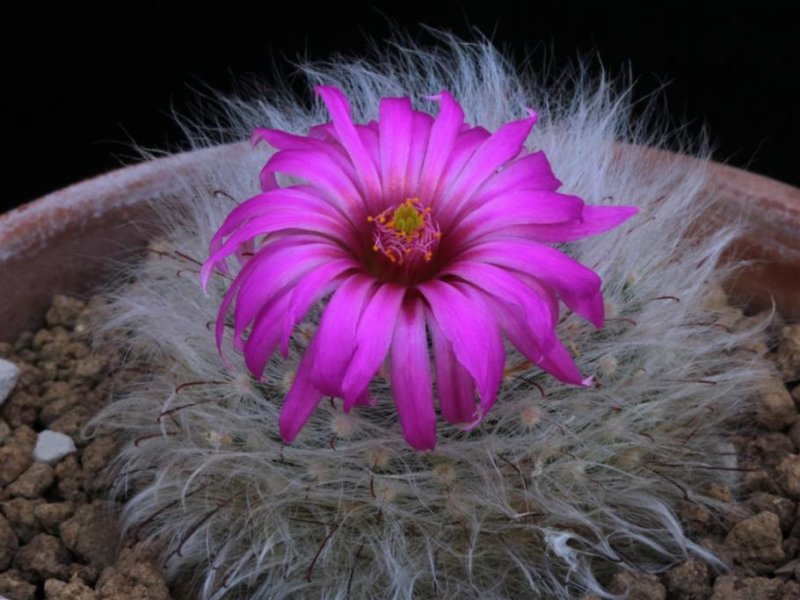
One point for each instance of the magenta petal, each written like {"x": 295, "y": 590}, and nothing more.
{"x": 282, "y": 140}
{"x": 502, "y": 146}
{"x": 416, "y": 154}
{"x": 219, "y": 328}
{"x": 577, "y": 285}
{"x": 264, "y": 336}
{"x": 325, "y": 175}
{"x": 373, "y": 337}
{"x": 549, "y": 354}
{"x": 411, "y": 378}
{"x": 394, "y": 131}
{"x": 520, "y": 208}
{"x": 531, "y": 172}
{"x": 270, "y": 276}
{"x": 285, "y": 262}
{"x": 260, "y": 205}
{"x": 454, "y": 385}
{"x": 530, "y": 309}
{"x": 336, "y": 336}
{"x": 339, "y": 109}
{"x": 278, "y": 221}
{"x": 595, "y": 219}
{"x": 301, "y": 401}
{"x": 446, "y": 127}
{"x": 368, "y": 134}
{"x": 559, "y": 362}
{"x": 312, "y": 287}
{"x": 465, "y": 320}
{"x": 464, "y": 148}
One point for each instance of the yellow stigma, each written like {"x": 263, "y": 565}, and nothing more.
{"x": 407, "y": 218}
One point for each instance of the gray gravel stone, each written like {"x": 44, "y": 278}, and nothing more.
{"x": 9, "y": 373}
{"x": 52, "y": 446}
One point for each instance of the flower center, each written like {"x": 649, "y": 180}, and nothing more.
{"x": 405, "y": 233}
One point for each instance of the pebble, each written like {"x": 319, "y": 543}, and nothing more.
{"x": 775, "y": 408}
{"x": 52, "y": 446}
{"x": 638, "y": 586}
{"x": 730, "y": 587}
{"x": 794, "y": 434}
{"x": 92, "y": 533}
{"x": 20, "y": 515}
{"x": 9, "y": 373}
{"x": 757, "y": 541}
{"x": 8, "y": 543}
{"x": 789, "y": 352}
{"x": 15, "y": 454}
{"x": 43, "y": 557}
{"x": 689, "y": 580}
{"x": 52, "y": 514}
{"x": 788, "y": 471}
{"x": 65, "y": 311}
{"x": 33, "y": 482}
{"x": 76, "y": 589}
{"x": 134, "y": 577}
{"x": 783, "y": 507}
{"x": 14, "y": 587}
{"x": 94, "y": 461}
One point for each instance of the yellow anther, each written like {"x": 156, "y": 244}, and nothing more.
{"x": 375, "y": 248}
{"x": 370, "y": 219}
{"x": 428, "y": 256}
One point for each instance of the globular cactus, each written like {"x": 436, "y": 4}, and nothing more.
{"x": 557, "y": 487}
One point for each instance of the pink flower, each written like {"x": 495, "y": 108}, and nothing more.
{"x": 415, "y": 226}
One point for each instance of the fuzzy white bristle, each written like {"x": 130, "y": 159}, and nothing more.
{"x": 558, "y": 487}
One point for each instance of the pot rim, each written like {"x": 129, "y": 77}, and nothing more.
{"x": 87, "y": 223}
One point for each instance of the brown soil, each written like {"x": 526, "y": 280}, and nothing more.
{"x": 60, "y": 535}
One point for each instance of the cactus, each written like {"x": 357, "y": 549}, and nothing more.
{"x": 558, "y": 487}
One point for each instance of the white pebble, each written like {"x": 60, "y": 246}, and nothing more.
{"x": 52, "y": 446}
{"x": 9, "y": 373}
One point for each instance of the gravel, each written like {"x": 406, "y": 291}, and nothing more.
{"x": 9, "y": 373}
{"x": 60, "y": 537}
{"x": 52, "y": 446}
{"x": 59, "y": 534}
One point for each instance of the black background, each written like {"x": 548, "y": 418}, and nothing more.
{"x": 83, "y": 83}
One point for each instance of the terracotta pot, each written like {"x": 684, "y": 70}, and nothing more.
{"x": 65, "y": 242}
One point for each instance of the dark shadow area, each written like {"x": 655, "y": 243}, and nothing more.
{"x": 85, "y": 83}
